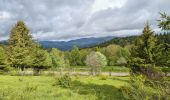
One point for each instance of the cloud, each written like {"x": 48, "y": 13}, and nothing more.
{"x": 72, "y": 19}
{"x": 4, "y": 15}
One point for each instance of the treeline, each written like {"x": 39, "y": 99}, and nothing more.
{"x": 21, "y": 51}
{"x": 122, "y": 41}
{"x": 115, "y": 54}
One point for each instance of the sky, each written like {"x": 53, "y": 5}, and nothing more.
{"x": 60, "y": 20}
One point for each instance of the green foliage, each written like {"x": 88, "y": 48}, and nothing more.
{"x": 144, "y": 46}
{"x": 166, "y": 70}
{"x": 143, "y": 89}
{"x": 102, "y": 77}
{"x": 40, "y": 60}
{"x": 20, "y": 45}
{"x": 58, "y": 58}
{"x": 142, "y": 59}
{"x": 64, "y": 81}
{"x": 114, "y": 54}
{"x": 164, "y": 23}
{"x": 4, "y": 67}
{"x": 3, "y": 56}
{"x": 111, "y": 53}
{"x": 75, "y": 56}
{"x": 83, "y": 54}
{"x": 121, "y": 61}
{"x": 122, "y": 41}
{"x": 96, "y": 60}
{"x": 163, "y": 55}
{"x": 163, "y": 49}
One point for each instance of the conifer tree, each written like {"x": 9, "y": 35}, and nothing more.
{"x": 3, "y": 60}
{"x": 164, "y": 22}
{"x": 143, "y": 53}
{"x": 163, "y": 57}
{"x": 3, "y": 56}
{"x": 20, "y": 45}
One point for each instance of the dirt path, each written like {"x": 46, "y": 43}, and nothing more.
{"x": 78, "y": 73}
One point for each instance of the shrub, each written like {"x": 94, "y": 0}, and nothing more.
{"x": 64, "y": 81}
{"x": 5, "y": 68}
{"x": 143, "y": 89}
{"x": 14, "y": 73}
{"x": 102, "y": 77}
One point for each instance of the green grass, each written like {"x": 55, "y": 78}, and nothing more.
{"x": 42, "y": 88}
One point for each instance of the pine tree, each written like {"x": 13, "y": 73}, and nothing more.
{"x": 164, "y": 22}
{"x": 163, "y": 57}
{"x": 3, "y": 60}
{"x": 3, "y": 56}
{"x": 143, "y": 53}
{"x": 20, "y": 45}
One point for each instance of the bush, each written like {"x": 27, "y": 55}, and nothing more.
{"x": 102, "y": 77}
{"x": 143, "y": 89}
{"x": 5, "y": 68}
{"x": 64, "y": 81}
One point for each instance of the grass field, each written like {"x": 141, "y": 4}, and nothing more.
{"x": 42, "y": 88}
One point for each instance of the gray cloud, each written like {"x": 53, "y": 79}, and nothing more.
{"x": 71, "y": 19}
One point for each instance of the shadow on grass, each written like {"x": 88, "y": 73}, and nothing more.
{"x": 120, "y": 79}
{"x": 102, "y": 92}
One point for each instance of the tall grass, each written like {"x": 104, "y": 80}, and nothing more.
{"x": 41, "y": 88}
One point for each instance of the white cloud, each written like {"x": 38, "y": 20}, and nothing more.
{"x": 4, "y": 15}
{"x": 105, "y": 4}
{"x": 72, "y": 19}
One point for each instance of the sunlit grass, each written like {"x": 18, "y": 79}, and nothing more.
{"x": 42, "y": 88}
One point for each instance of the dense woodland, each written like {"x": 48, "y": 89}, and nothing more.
{"x": 143, "y": 55}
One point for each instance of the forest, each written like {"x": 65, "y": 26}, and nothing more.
{"x": 124, "y": 68}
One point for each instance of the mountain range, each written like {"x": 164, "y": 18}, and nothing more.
{"x": 67, "y": 45}
{"x": 81, "y": 43}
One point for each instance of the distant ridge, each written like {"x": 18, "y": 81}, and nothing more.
{"x": 85, "y": 42}
{"x": 81, "y": 43}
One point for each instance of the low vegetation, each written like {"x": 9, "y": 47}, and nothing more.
{"x": 43, "y": 88}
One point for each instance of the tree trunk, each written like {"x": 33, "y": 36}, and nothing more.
{"x": 36, "y": 71}
{"x": 92, "y": 71}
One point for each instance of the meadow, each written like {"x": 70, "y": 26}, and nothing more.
{"x": 43, "y": 88}
{"x": 29, "y": 71}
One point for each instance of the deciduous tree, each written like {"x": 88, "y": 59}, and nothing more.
{"x": 96, "y": 60}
